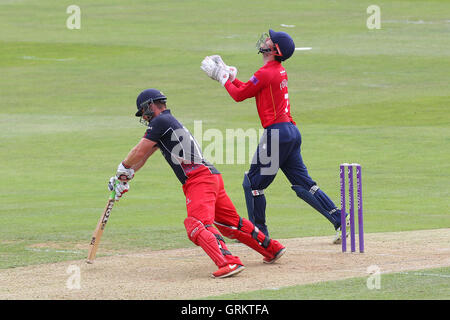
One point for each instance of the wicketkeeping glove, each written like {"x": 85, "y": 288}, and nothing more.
{"x": 218, "y": 60}
{"x": 232, "y": 71}
{"x": 120, "y": 187}
{"x": 215, "y": 71}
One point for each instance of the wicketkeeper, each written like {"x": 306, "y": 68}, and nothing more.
{"x": 281, "y": 140}
{"x": 208, "y": 205}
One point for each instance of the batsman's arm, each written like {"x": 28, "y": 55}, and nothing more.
{"x": 137, "y": 157}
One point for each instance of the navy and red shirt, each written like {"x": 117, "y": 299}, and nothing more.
{"x": 269, "y": 87}
{"x": 178, "y": 146}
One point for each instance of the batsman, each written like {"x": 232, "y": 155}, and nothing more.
{"x": 209, "y": 209}
{"x": 281, "y": 139}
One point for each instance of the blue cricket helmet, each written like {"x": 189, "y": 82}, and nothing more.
{"x": 284, "y": 43}
{"x": 146, "y": 97}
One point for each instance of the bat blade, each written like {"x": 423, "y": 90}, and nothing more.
{"x": 95, "y": 241}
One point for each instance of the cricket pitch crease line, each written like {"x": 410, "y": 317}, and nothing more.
{"x": 52, "y": 250}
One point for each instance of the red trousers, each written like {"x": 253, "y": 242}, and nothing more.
{"x": 208, "y": 206}
{"x": 207, "y": 200}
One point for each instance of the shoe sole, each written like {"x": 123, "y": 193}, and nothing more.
{"x": 277, "y": 256}
{"x": 231, "y": 273}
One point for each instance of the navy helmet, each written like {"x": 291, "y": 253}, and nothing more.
{"x": 147, "y": 97}
{"x": 284, "y": 43}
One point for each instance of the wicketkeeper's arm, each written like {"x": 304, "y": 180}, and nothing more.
{"x": 240, "y": 91}
{"x": 237, "y": 82}
{"x": 244, "y": 91}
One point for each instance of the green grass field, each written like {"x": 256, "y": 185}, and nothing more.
{"x": 418, "y": 285}
{"x": 67, "y": 103}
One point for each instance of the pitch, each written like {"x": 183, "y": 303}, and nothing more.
{"x": 378, "y": 97}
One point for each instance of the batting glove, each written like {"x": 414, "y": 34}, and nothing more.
{"x": 124, "y": 173}
{"x": 120, "y": 187}
{"x": 215, "y": 71}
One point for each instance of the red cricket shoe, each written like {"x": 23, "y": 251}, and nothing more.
{"x": 228, "y": 271}
{"x": 276, "y": 257}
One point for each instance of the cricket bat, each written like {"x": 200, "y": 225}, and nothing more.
{"x": 93, "y": 246}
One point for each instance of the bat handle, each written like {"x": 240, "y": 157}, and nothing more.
{"x": 112, "y": 196}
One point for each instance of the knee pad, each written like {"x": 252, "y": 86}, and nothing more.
{"x": 249, "y": 197}
{"x": 193, "y": 228}
{"x": 210, "y": 241}
{"x": 243, "y": 232}
{"x": 248, "y": 234}
{"x": 247, "y": 185}
{"x": 229, "y": 231}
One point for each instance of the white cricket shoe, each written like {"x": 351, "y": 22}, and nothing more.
{"x": 338, "y": 236}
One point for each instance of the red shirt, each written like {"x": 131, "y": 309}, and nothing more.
{"x": 269, "y": 87}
